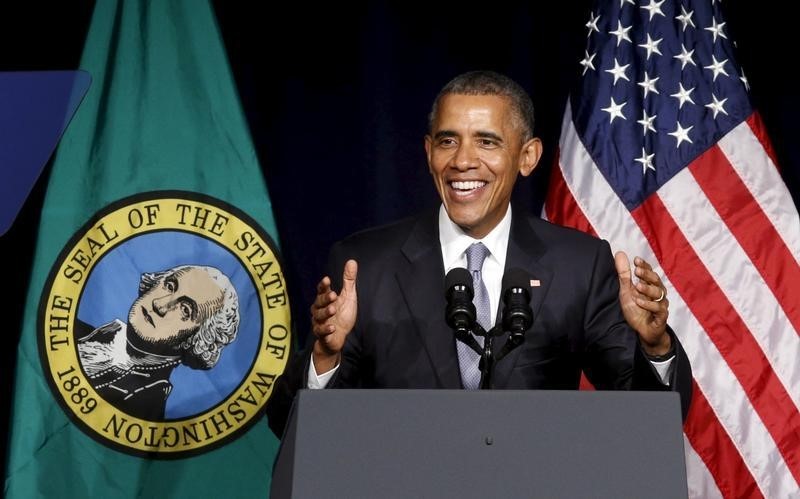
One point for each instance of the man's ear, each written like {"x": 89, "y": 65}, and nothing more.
{"x": 529, "y": 158}
{"x": 428, "y": 149}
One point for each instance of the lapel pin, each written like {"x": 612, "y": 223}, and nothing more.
{"x": 535, "y": 283}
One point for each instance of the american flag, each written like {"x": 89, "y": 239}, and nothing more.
{"x": 662, "y": 154}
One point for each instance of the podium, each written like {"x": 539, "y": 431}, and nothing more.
{"x": 482, "y": 444}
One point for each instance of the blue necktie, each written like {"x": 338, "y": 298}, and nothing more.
{"x": 468, "y": 359}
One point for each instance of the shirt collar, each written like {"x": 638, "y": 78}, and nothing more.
{"x": 454, "y": 241}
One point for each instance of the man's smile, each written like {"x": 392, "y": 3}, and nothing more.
{"x": 466, "y": 187}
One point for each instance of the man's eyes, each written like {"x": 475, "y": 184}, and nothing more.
{"x": 170, "y": 285}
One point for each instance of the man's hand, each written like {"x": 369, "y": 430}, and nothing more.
{"x": 644, "y": 304}
{"x": 333, "y": 317}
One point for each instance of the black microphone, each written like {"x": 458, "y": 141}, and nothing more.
{"x": 460, "y": 312}
{"x": 517, "y": 313}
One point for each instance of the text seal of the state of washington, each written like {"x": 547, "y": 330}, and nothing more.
{"x": 164, "y": 323}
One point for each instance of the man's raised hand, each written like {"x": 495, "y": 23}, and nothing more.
{"x": 333, "y": 317}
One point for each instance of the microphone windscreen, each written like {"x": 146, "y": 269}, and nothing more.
{"x": 516, "y": 278}
{"x": 458, "y": 276}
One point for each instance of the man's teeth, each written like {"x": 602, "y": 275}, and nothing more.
{"x": 467, "y": 185}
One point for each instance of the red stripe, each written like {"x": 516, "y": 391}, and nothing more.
{"x": 712, "y": 443}
{"x": 585, "y": 384}
{"x": 760, "y": 131}
{"x": 724, "y": 327}
{"x": 751, "y": 227}
{"x": 560, "y": 205}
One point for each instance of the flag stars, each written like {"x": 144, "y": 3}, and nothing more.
{"x": 681, "y": 134}
{"x": 717, "y": 105}
{"x": 614, "y": 110}
{"x": 587, "y": 62}
{"x": 717, "y": 67}
{"x": 647, "y": 123}
{"x": 685, "y": 56}
{"x": 618, "y": 71}
{"x": 648, "y": 84}
{"x": 716, "y": 29}
{"x": 592, "y": 24}
{"x": 683, "y": 95}
{"x": 621, "y": 33}
{"x": 654, "y": 8}
{"x": 651, "y": 46}
{"x": 623, "y": 2}
{"x": 647, "y": 161}
{"x": 686, "y": 18}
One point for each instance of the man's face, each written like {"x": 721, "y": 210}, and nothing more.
{"x": 475, "y": 151}
{"x": 175, "y": 307}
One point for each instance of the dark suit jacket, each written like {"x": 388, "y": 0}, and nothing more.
{"x": 401, "y": 339}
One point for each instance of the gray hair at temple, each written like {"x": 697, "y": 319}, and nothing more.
{"x": 491, "y": 83}
{"x": 202, "y": 349}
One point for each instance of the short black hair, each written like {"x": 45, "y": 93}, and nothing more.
{"x": 490, "y": 83}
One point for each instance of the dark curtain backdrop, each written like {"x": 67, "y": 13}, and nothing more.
{"x": 337, "y": 98}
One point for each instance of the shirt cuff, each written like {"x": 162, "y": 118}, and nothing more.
{"x": 663, "y": 368}
{"x": 315, "y": 381}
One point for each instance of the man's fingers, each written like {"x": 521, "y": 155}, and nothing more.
{"x": 322, "y": 314}
{"x": 651, "y": 291}
{"x": 653, "y": 306}
{"x": 349, "y": 276}
{"x": 623, "y": 266}
{"x": 649, "y": 276}
{"x": 641, "y": 262}
{"x": 323, "y": 330}
{"x": 324, "y": 285}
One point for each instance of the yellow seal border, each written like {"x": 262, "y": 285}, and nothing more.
{"x": 125, "y": 219}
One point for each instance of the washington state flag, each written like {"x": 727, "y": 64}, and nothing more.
{"x": 157, "y": 317}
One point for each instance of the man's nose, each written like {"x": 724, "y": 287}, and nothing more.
{"x": 162, "y": 305}
{"x": 465, "y": 158}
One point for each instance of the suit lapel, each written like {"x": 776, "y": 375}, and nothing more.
{"x": 422, "y": 285}
{"x": 525, "y": 249}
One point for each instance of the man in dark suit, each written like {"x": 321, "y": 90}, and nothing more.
{"x": 389, "y": 330}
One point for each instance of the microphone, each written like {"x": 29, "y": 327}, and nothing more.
{"x": 517, "y": 313}
{"x": 460, "y": 311}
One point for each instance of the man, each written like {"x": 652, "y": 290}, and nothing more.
{"x": 386, "y": 327}
{"x": 184, "y": 315}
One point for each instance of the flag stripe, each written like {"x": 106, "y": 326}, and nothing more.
{"x": 715, "y": 447}
{"x": 758, "y": 172}
{"x": 724, "y": 326}
{"x": 760, "y": 132}
{"x": 699, "y": 479}
{"x": 752, "y": 229}
{"x": 730, "y": 266}
{"x": 566, "y": 212}
{"x": 713, "y": 375}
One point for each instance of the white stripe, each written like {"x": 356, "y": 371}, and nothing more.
{"x": 700, "y": 481}
{"x": 736, "y": 276}
{"x": 725, "y": 395}
{"x": 761, "y": 176}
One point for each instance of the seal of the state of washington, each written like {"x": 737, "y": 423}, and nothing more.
{"x": 164, "y": 323}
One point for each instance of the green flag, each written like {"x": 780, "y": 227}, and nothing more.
{"x": 157, "y": 316}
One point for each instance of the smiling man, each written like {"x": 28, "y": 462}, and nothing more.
{"x": 385, "y": 327}
{"x": 184, "y": 315}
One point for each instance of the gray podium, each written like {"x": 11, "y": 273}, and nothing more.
{"x": 483, "y": 444}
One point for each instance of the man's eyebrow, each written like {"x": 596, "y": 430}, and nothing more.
{"x": 481, "y": 134}
{"x": 488, "y": 135}
{"x": 444, "y": 133}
